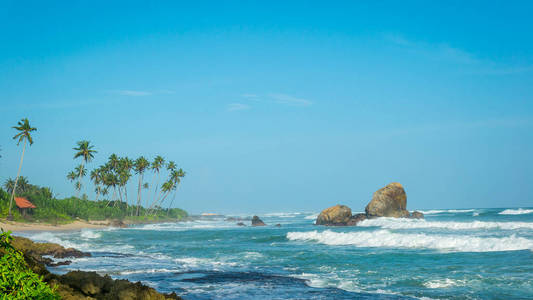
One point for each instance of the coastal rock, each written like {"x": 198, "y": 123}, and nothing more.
{"x": 241, "y": 224}
{"x": 257, "y": 222}
{"x": 278, "y": 225}
{"x": 356, "y": 219}
{"x": 38, "y": 250}
{"x": 416, "y": 215}
{"x": 118, "y": 223}
{"x": 337, "y": 215}
{"x": 77, "y": 285}
{"x": 390, "y": 201}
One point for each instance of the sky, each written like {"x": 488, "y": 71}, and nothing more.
{"x": 278, "y": 106}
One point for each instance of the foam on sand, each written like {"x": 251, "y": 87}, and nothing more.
{"x": 388, "y": 239}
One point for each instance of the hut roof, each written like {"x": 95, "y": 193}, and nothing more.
{"x": 24, "y": 203}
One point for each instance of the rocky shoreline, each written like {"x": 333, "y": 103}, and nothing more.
{"x": 389, "y": 201}
{"x": 77, "y": 285}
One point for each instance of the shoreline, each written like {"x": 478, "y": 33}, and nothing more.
{"x": 76, "y": 225}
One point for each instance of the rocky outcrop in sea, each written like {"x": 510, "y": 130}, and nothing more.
{"x": 389, "y": 201}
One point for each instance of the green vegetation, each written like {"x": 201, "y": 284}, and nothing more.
{"x": 59, "y": 211}
{"x": 18, "y": 281}
{"x": 24, "y": 129}
{"x": 114, "y": 175}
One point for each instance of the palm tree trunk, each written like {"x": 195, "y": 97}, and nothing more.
{"x": 160, "y": 202}
{"x": 97, "y": 194}
{"x": 16, "y": 180}
{"x": 139, "y": 194}
{"x": 171, "y": 202}
{"x": 155, "y": 191}
{"x": 79, "y": 180}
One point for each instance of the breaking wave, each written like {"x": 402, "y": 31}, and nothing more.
{"x": 518, "y": 211}
{"x": 388, "y": 239}
{"x": 401, "y": 223}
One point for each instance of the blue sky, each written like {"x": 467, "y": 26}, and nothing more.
{"x": 276, "y": 106}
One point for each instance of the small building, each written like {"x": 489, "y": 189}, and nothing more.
{"x": 24, "y": 205}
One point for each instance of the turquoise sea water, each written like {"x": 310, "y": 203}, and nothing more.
{"x": 452, "y": 254}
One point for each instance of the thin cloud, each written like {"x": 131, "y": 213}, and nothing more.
{"x": 449, "y": 53}
{"x": 237, "y": 106}
{"x": 290, "y": 100}
{"x": 440, "y": 51}
{"x": 133, "y": 93}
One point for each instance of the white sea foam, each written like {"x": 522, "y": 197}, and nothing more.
{"x": 443, "y": 283}
{"x": 432, "y": 211}
{"x": 519, "y": 211}
{"x": 181, "y": 226}
{"x": 89, "y": 234}
{"x": 403, "y": 223}
{"x": 53, "y": 238}
{"x": 196, "y": 262}
{"x": 475, "y": 214}
{"x": 388, "y": 239}
{"x": 143, "y": 271}
{"x": 311, "y": 217}
{"x": 283, "y": 214}
{"x": 440, "y": 211}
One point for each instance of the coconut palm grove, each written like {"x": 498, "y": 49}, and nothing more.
{"x": 110, "y": 182}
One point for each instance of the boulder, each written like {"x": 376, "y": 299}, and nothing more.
{"x": 356, "y": 219}
{"x": 278, "y": 225}
{"x": 257, "y": 222}
{"x": 390, "y": 201}
{"x": 337, "y": 215}
{"x": 416, "y": 215}
{"x": 241, "y": 224}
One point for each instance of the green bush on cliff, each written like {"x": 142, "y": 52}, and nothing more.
{"x": 17, "y": 281}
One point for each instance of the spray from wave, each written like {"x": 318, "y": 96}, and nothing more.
{"x": 388, "y": 239}
{"x": 401, "y": 223}
{"x": 518, "y": 211}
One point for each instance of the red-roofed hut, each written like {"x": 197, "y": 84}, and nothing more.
{"x": 24, "y": 205}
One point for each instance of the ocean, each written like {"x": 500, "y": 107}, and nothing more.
{"x": 452, "y": 254}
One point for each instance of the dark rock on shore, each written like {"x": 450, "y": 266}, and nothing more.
{"x": 390, "y": 201}
{"x": 416, "y": 215}
{"x": 337, "y": 215}
{"x": 38, "y": 250}
{"x": 257, "y": 222}
{"x": 118, "y": 223}
{"x": 78, "y": 285}
{"x": 241, "y": 224}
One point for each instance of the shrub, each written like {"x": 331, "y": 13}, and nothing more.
{"x": 17, "y": 280}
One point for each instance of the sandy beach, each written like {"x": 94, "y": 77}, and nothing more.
{"x": 76, "y": 225}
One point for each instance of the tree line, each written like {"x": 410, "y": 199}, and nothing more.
{"x": 113, "y": 176}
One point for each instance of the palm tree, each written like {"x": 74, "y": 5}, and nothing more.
{"x": 24, "y": 134}
{"x": 177, "y": 177}
{"x": 79, "y": 172}
{"x": 141, "y": 164}
{"x": 125, "y": 166}
{"x": 96, "y": 177}
{"x": 158, "y": 162}
{"x": 9, "y": 184}
{"x": 86, "y": 152}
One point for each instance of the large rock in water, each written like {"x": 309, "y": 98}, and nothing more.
{"x": 257, "y": 222}
{"x": 337, "y": 215}
{"x": 390, "y": 201}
